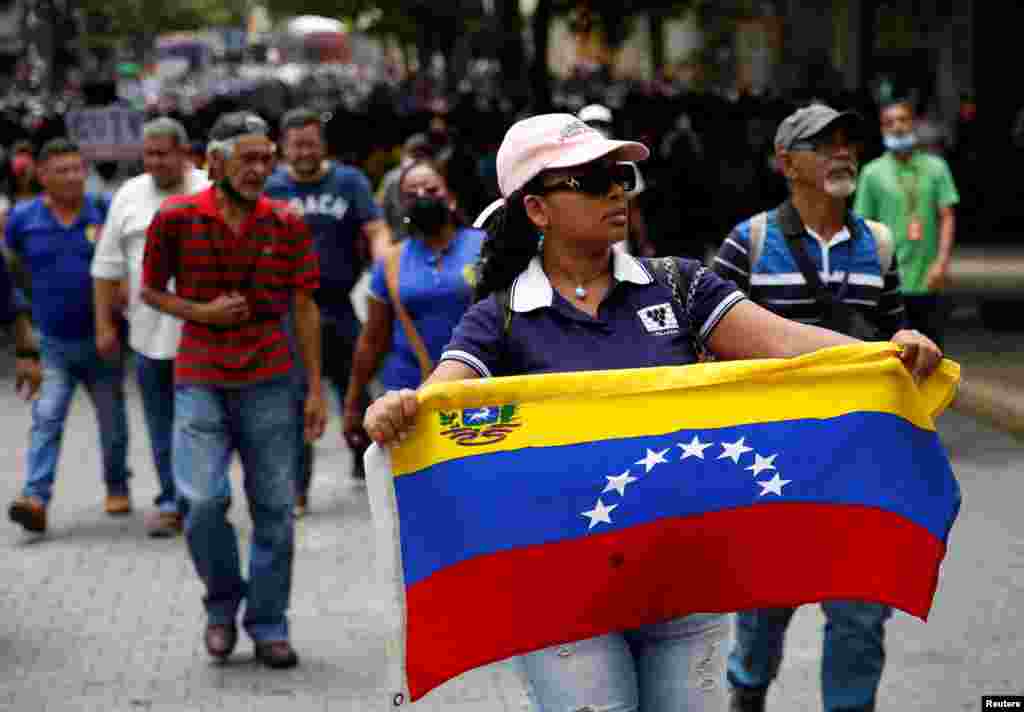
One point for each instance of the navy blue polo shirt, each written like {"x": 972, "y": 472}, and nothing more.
{"x": 638, "y": 325}
{"x": 58, "y": 259}
{"x": 335, "y": 208}
{"x": 435, "y": 290}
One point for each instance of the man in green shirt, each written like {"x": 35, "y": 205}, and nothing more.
{"x": 912, "y": 192}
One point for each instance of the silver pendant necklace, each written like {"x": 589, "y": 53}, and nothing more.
{"x": 581, "y": 292}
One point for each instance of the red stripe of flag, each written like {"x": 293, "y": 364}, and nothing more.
{"x": 507, "y": 603}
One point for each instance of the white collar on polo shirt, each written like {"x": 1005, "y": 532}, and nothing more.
{"x": 532, "y": 289}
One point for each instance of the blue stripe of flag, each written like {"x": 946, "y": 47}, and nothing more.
{"x": 479, "y": 505}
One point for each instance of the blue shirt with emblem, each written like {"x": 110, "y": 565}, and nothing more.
{"x": 435, "y": 289}
{"x": 58, "y": 259}
{"x": 638, "y": 325}
{"x": 335, "y": 208}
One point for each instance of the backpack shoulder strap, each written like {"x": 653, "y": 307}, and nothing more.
{"x": 758, "y": 228}
{"x": 503, "y": 297}
{"x": 683, "y": 286}
{"x": 392, "y": 263}
{"x": 884, "y": 243}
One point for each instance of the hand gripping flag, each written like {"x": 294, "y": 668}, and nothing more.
{"x": 530, "y": 511}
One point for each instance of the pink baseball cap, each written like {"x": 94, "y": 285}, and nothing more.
{"x": 554, "y": 141}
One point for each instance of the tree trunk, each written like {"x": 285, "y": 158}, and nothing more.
{"x": 540, "y": 81}
{"x": 511, "y": 54}
{"x": 453, "y": 68}
{"x": 656, "y": 24}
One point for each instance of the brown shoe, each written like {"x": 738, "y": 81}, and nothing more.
{"x": 277, "y": 654}
{"x": 220, "y": 640}
{"x": 118, "y": 504}
{"x": 29, "y": 512}
{"x": 301, "y": 505}
{"x": 163, "y": 525}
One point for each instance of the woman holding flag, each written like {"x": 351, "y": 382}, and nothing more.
{"x": 555, "y": 297}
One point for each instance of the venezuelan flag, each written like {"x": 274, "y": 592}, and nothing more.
{"x": 529, "y": 511}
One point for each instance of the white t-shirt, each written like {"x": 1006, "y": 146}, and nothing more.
{"x": 120, "y": 251}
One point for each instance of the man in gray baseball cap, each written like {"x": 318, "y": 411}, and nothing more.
{"x": 813, "y": 260}
{"x": 811, "y": 122}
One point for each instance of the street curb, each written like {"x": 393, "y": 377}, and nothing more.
{"x": 994, "y": 402}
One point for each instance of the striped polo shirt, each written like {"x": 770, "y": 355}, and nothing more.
{"x": 269, "y": 258}
{"x": 776, "y": 282}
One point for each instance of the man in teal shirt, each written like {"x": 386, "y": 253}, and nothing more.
{"x": 912, "y": 192}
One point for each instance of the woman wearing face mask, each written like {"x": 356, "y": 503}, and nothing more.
{"x": 569, "y": 302}
{"x": 418, "y": 292}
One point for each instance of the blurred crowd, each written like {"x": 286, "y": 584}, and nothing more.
{"x": 224, "y": 264}
{"x": 711, "y": 163}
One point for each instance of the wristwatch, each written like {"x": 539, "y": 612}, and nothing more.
{"x": 27, "y": 353}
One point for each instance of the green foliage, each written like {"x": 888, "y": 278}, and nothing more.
{"x": 131, "y": 18}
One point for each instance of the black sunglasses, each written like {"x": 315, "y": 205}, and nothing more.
{"x": 597, "y": 181}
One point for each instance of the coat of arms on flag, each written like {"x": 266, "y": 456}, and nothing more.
{"x": 479, "y": 426}
{"x": 500, "y": 542}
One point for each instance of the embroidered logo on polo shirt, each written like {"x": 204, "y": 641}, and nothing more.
{"x": 658, "y": 319}
{"x": 469, "y": 274}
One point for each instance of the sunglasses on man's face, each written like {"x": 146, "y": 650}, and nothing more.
{"x": 597, "y": 181}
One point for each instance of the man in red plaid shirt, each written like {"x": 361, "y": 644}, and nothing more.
{"x": 239, "y": 261}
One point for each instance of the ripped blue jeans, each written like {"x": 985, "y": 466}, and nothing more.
{"x": 675, "y": 666}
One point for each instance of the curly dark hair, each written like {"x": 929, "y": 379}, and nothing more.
{"x": 512, "y": 241}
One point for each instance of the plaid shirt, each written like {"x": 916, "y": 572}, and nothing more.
{"x": 269, "y": 258}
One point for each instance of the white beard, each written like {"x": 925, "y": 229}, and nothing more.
{"x": 840, "y": 187}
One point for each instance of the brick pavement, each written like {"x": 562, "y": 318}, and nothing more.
{"x": 96, "y": 616}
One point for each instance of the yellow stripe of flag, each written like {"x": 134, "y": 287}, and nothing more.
{"x": 565, "y": 409}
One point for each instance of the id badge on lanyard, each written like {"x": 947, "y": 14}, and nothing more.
{"x": 910, "y": 185}
{"x": 915, "y": 229}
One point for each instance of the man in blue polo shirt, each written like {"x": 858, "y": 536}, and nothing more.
{"x": 53, "y": 238}
{"x": 348, "y": 229}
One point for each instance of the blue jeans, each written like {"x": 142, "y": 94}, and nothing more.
{"x": 675, "y": 666}
{"x": 258, "y": 422}
{"x": 303, "y": 450}
{"x": 66, "y": 364}
{"x": 852, "y": 661}
{"x": 156, "y": 385}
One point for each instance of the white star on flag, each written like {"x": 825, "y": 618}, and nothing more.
{"x": 695, "y": 448}
{"x": 600, "y": 513}
{"x": 618, "y": 483}
{"x": 735, "y": 450}
{"x": 653, "y": 458}
{"x": 772, "y": 486}
{"x": 762, "y": 463}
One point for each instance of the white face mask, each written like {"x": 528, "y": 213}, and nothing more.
{"x": 900, "y": 143}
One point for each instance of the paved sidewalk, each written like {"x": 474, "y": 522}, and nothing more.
{"x": 97, "y": 617}
{"x": 992, "y": 385}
